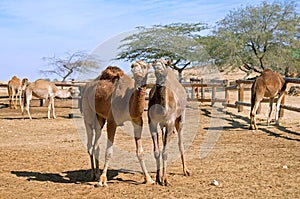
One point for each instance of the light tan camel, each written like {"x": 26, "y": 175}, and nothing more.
{"x": 44, "y": 90}
{"x": 166, "y": 109}
{"x": 16, "y": 88}
{"x": 114, "y": 97}
{"x": 269, "y": 84}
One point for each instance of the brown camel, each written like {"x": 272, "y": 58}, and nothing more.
{"x": 269, "y": 84}
{"x": 44, "y": 90}
{"x": 114, "y": 97}
{"x": 166, "y": 108}
{"x": 16, "y": 88}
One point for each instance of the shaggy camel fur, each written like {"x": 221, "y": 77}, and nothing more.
{"x": 114, "y": 97}
{"x": 166, "y": 108}
{"x": 16, "y": 88}
{"x": 269, "y": 84}
{"x": 44, "y": 90}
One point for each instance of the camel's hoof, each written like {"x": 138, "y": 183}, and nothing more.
{"x": 102, "y": 182}
{"x": 149, "y": 182}
{"x": 165, "y": 183}
{"x": 186, "y": 172}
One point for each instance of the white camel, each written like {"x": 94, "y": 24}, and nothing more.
{"x": 44, "y": 90}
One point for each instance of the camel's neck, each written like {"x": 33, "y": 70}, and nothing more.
{"x": 137, "y": 102}
{"x": 160, "y": 92}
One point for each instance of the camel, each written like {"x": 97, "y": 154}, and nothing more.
{"x": 16, "y": 88}
{"x": 270, "y": 84}
{"x": 114, "y": 97}
{"x": 166, "y": 109}
{"x": 44, "y": 90}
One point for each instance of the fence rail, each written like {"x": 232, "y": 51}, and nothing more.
{"x": 198, "y": 90}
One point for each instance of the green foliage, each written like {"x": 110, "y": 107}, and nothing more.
{"x": 257, "y": 37}
{"x": 175, "y": 41}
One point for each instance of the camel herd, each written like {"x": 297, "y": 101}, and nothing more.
{"x": 41, "y": 89}
{"x": 115, "y": 97}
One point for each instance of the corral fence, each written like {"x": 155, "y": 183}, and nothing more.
{"x": 201, "y": 91}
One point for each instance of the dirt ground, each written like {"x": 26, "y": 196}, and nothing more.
{"x": 47, "y": 158}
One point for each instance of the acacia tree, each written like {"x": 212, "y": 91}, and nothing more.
{"x": 256, "y": 37}
{"x": 77, "y": 62}
{"x": 175, "y": 41}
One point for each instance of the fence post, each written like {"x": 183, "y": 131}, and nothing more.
{"x": 192, "y": 92}
{"x": 41, "y": 102}
{"x": 202, "y": 89}
{"x": 213, "y": 95}
{"x": 226, "y": 84}
{"x": 241, "y": 97}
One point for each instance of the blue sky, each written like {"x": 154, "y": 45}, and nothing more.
{"x": 31, "y": 30}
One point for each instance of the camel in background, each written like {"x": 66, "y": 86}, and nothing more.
{"x": 269, "y": 84}
{"x": 166, "y": 109}
{"x": 114, "y": 97}
{"x": 44, "y": 90}
{"x": 16, "y": 87}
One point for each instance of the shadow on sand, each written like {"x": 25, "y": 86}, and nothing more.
{"x": 75, "y": 177}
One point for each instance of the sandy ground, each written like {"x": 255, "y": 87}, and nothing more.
{"x": 46, "y": 158}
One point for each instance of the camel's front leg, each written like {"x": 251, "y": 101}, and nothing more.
{"x": 156, "y": 150}
{"x": 53, "y": 110}
{"x": 169, "y": 130}
{"x": 111, "y": 130}
{"x": 138, "y": 125}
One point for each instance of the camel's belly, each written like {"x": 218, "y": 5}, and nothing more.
{"x": 41, "y": 93}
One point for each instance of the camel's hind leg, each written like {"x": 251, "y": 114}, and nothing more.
{"x": 98, "y": 126}
{"x": 111, "y": 130}
{"x": 270, "y": 110}
{"x": 278, "y": 107}
{"x": 138, "y": 125}
{"x": 178, "y": 124}
{"x": 14, "y": 99}
{"x": 254, "y": 108}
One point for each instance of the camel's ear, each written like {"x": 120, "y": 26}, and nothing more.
{"x": 169, "y": 62}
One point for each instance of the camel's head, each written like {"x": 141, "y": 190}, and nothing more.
{"x": 160, "y": 68}
{"x": 112, "y": 73}
{"x": 140, "y": 70}
{"x": 65, "y": 93}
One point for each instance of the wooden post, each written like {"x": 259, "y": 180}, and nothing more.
{"x": 202, "y": 89}
{"x": 192, "y": 93}
{"x": 226, "y": 84}
{"x": 41, "y": 102}
{"x": 241, "y": 97}
{"x": 213, "y": 95}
